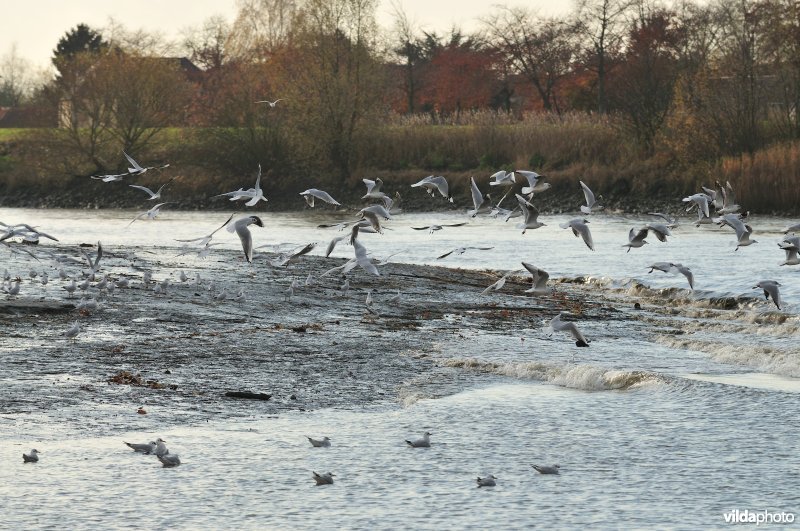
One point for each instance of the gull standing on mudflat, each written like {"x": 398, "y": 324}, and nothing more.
{"x": 770, "y": 288}
{"x": 580, "y": 228}
{"x": 240, "y": 227}
{"x": 557, "y": 325}
{"x": 434, "y": 183}
{"x": 73, "y": 331}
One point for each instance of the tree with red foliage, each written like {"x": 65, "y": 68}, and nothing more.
{"x": 461, "y": 76}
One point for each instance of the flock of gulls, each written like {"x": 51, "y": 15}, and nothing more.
{"x": 712, "y": 206}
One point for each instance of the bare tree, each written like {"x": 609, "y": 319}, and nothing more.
{"x": 540, "y": 49}
{"x": 408, "y": 48}
{"x": 261, "y": 27}
{"x": 209, "y": 45}
{"x": 601, "y": 22}
{"x": 334, "y": 82}
{"x": 16, "y": 78}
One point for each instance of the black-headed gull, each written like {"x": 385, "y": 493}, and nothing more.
{"x": 32, "y": 457}
{"x": 591, "y": 203}
{"x": 240, "y": 227}
{"x": 434, "y": 183}
{"x": 557, "y": 325}
{"x": 424, "y": 442}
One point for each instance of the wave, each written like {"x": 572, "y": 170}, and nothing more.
{"x": 765, "y": 358}
{"x": 584, "y": 377}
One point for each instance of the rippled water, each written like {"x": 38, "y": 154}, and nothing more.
{"x": 676, "y": 414}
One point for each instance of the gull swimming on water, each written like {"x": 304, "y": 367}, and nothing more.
{"x": 545, "y": 469}
{"x": 161, "y": 447}
{"x": 32, "y": 457}
{"x": 325, "y": 442}
{"x": 488, "y": 481}
{"x": 145, "y": 448}
{"x": 425, "y": 442}
{"x": 433, "y": 183}
{"x": 770, "y": 288}
{"x": 323, "y": 479}
{"x": 580, "y": 228}
{"x": 169, "y": 460}
{"x": 240, "y": 227}
{"x": 557, "y": 325}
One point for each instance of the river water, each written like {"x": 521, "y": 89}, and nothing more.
{"x": 676, "y": 415}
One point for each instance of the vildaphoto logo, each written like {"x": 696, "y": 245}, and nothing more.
{"x": 757, "y": 517}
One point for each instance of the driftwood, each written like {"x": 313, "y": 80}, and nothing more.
{"x": 248, "y": 395}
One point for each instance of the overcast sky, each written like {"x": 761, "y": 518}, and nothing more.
{"x": 37, "y": 25}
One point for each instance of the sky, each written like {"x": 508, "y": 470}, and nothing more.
{"x": 35, "y": 26}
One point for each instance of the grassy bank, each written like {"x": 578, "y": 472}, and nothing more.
{"x": 33, "y": 171}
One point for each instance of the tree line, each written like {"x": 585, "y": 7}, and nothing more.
{"x": 690, "y": 81}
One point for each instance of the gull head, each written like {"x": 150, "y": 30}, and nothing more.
{"x": 256, "y": 221}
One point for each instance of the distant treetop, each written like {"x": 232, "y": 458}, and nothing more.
{"x": 80, "y": 39}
